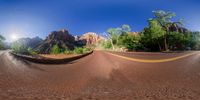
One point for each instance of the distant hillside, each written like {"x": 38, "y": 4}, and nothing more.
{"x": 62, "y": 38}
{"x": 30, "y": 42}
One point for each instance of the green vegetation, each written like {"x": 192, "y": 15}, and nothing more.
{"x": 31, "y": 51}
{"x": 196, "y": 40}
{"x": 19, "y": 48}
{"x": 78, "y": 50}
{"x": 81, "y": 50}
{"x": 114, "y": 34}
{"x": 1, "y": 42}
{"x": 130, "y": 41}
{"x": 152, "y": 35}
{"x": 161, "y": 34}
{"x": 67, "y": 51}
{"x": 106, "y": 44}
{"x": 168, "y": 34}
{"x": 122, "y": 37}
{"x": 22, "y": 49}
{"x": 56, "y": 49}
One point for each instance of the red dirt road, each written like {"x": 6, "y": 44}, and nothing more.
{"x": 101, "y": 76}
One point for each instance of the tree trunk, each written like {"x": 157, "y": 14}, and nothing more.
{"x": 117, "y": 40}
{"x": 159, "y": 46}
{"x": 112, "y": 44}
{"x": 165, "y": 40}
{"x": 165, "y": 44}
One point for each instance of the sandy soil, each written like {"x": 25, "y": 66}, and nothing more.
{"x": 58, "y": 56}
{"x": 100, "y": 76}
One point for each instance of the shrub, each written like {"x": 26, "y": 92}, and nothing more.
{"x": 85, "y": 50}
{"x": 31, "y": 51}
{"x": 56, "y": 49}
{"x": 78, "y": 50}
{"x": 129, "y": 41}
{"x": 107, "y": 45}
{"x": 67, "y": 51}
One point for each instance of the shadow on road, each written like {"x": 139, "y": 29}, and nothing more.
{"x": 27, "y": 63}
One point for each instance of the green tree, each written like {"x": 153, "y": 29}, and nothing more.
{"x": 115, "y": 33}
{"x": 126, "y": 28}
{"x": 156, "y": 32}
{"x": 130, "y": 41}
{"x": 56, "y": 49}
{"x": 164, "y": 18}
{"x": 1, "y": 42}
{"x": 195, "y": 40}
{"x": 175, "y": 40}
{"x": 152, "y": 35}
{"x": 106, "y": 44}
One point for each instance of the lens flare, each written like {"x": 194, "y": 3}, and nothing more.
{"x": 14, "y": 37}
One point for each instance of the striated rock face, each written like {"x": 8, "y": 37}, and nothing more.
{"x": 90, "y": 38}
{"x": 62, "y": 38}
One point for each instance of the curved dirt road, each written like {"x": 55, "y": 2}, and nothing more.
{"x": 101, "y": 76}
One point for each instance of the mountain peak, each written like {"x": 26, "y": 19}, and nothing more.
{"x": 62, "y": 38}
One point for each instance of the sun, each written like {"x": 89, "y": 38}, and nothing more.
{"x": 14, "y": 37}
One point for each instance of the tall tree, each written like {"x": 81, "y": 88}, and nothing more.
{"x": 164, "y": 18}
{"x": 111, "y": 36}
{"x": 115, "y": 33}
{"x": 156, "y": 32}
{"x": 126, "y": 28}
{"x": 152, "y": 36}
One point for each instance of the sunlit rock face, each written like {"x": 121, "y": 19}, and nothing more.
{"x": 134, "y": 33}
{"x": 90, "y": 38}
{"x": 62, "y": 38}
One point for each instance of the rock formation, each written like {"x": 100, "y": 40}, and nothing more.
{"x": 62, "y": 38}
{"x": 134, "y": 33}
{"x": 176, "y": 28}
{"x": 90, "y": 38}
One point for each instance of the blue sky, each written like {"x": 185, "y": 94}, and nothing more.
{"x": 29, "y": 18}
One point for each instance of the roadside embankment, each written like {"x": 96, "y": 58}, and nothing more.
{"x": 45, "y": 60}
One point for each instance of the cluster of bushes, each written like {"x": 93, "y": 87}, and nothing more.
{"x": 77, "y": 50}
{"x": 159, "y": 35}
{"x": 20, "y": 48}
